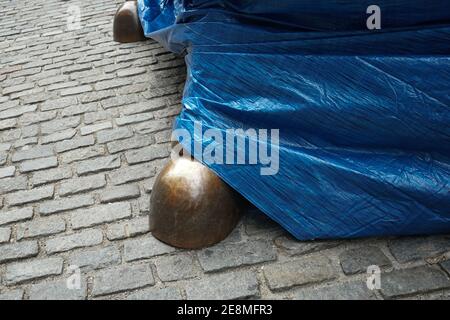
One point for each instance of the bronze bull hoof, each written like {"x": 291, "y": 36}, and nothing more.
{"x": 127, "y": 27}
{"x": 191, "y": 207}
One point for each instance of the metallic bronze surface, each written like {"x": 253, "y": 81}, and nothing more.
{"x": 191, "y": 207}
{"x": 127, "y": 26}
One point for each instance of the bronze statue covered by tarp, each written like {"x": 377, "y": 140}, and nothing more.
{"x": 359, "y": 94}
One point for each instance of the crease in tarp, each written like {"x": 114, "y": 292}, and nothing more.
{"x": 364, "y": 116}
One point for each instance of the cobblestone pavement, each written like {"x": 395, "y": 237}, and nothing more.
{"x": 84, "y": 128}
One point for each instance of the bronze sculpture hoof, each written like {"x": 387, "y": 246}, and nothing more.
{"x": 127, "y": 27}
{"x": 191, "y": 207}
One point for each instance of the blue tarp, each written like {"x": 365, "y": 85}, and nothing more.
{"x": 363, "y": 115}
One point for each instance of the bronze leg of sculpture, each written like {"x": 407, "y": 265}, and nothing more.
{"x": 191, "y": 207}
{"x": 126, "y": 26}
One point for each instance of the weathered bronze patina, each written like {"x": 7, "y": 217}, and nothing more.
{"x": 191, "y": 207}
{"x": 127, "y": 27}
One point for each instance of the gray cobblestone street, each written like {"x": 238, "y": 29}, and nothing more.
{"x": 84, "y": 129}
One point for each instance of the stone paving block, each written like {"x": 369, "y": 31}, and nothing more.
{"x": 163, "y": 136}
{"x": 177, "y": 267}
{"x": 112, "y": 67}
{"x": 133, "y": 88}
{"x": 131, "y": 72}
{"x": 119, "y": 101}
{"x": 141, "y": 107}
{"x": 74, "y": 144}
{"x": 132, "y": 174}
{"x": 97, "y": 96}
{"x": 83, "y": 154}
{"x": 294, "y": 247}
{"x": 62, "y": 85}
{"x": 84, "y": 218}
{"x": 16, "y": 215}
{"x": 135, "y": 118}
{"x": 144, "y": 248}
{"x": 5, "y": 146}
{"x": 75, "y": 90}
{"x": 52, "y": 175}
{"x": 58, "y": 290}
{"x": 309, "y": 270}
{"x": 39, "y": 228}
{"x": 36, "y": 64}
{"x": 15, "y": 294}
{"x": 95, "y": 258}
{"x": 76, "y": 68}
{"x": 86, "y": 238}
{"x": 32, "y": 97}
{"x": 352, "y": 290}
{"x": 114, "y": 134}
{"x": 156, "y": 294}
{"x": 413, "y": 249}
{"x": 5, "y": 105}
{"x": 3, "y": 156}
{"x": 28, "y": 132}
{"x": 25, "y": 142}
{"x": 162, "y": 91}
{"x": 95, "y": 127}
{"x": 8, "y": 124}
{"x": 446, "y": 266}
{"x": 111, "y": 84}
{"x": 122, "y": 278}
{"x": 98, "y": 165}
{"x": 231, "y": 255}
{"x": 11, "y": 135}
{"x": 358, "y": 260}
{"x": 227, "y": 286}
{"x": 120, "y": 193}
{"x": 167, "y": 112}
{"x": 78, "y": 185}
{"x": 52, "y": 80}
{"x": 36, "y": 117}
{"x": 28, "y": 196}
{"x": 5, "y": 234}
{"x": 132, "y": 143}
{"x": 58, "y": 136}
{"x": 71, "y": 56}
{"x": 128, "y": 229}
{"x": 96, "y": 78}
{"x": 31, "y": 270}
{"x": 69, "y": 203}
{"x": 13, "y": 184}
{"x": 147, "y": 154}
{"x": 144, "y": 204}
{"x": 19, "y": 250}
{"x": 32, "y": 153}
{"x": 412, "y": 281}
{"x": 16, "y": 112}
{"x": 38, "y": 164}
{"x": 79, "y": 109}
{"x": 93, "y": 117}
{"x": 153, "y": 126}
{"x": 53, "y": 126}
{"x": 148, "y": 184}
{"x": 9, "y": 69}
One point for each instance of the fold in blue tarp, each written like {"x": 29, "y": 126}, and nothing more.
{"x": 363, "y": 115}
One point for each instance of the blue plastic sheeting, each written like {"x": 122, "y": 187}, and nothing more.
{"x": 363, "y": 115}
